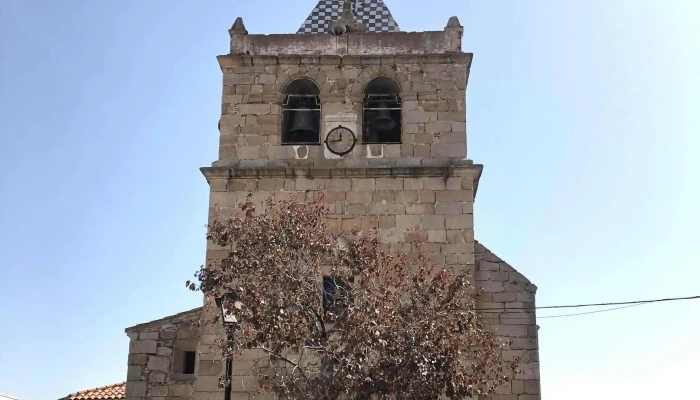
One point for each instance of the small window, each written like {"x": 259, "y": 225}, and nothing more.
{"x": 382, "y": 111}
{"x": 184, "y": 361}
{"x": 189, "y": 362}
{"x": 336, "y": 295}
{"x": 301, "y": 113}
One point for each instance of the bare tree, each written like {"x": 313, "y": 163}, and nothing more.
{"x": 339, "y": 318}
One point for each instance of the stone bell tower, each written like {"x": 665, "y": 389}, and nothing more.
{"x": 376, "y": 118}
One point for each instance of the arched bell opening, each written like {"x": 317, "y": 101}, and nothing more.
{"x": 301, "y": 113}
{"x": 381, "y": 121}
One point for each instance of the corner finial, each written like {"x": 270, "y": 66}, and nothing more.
{"x": 238, "y": 28}
{"x": 346, "y": 22}
{"x": 453, "y": 23}
{"x": 454, "y": 32}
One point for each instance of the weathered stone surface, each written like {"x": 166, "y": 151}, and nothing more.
{"x": 491, "y": 287}
{"x": 148, "y": 336}
{"x": 208, "y": 384}
{"x": 157, "y": 363}
{"x": 180, "y": 390}
{"x": 209, "y": 368}
{"x": 157, "y": 377}
{"x": 186, "y": 334}
{"x": 208, "y": 396}
{"x": 437, "y": 236}
{"x": 138, "y": 359}
{"x": 134, "y": 373}
{"x": 532, "y": 387}
{"x": 159, "y": 390}
{"x": 449, "y": 208}
{"x": 168, "y": 335}
{"x": 136, "y": 389}
{"x": 489, "y": 266}
{"x": 511, "y": 330}
{"x": 143, "y": 346}
{"x": 408, "y": 221}
{"x": 238, "y": 79}
{"x": 432, "y": 222}
{"x": 164, "y": 351}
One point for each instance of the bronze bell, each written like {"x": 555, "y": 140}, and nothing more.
{"x": 383, "y": 120}
{"x": 303, "y": 127}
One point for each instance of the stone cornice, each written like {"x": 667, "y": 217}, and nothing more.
{"x": 262, "y": 169}
{"x": 230, "y": 61}
{"x": 446, "y": 41}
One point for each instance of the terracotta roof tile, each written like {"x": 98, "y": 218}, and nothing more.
{"x": 116, "y": 391}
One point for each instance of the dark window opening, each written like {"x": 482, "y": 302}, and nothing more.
{"x": 188, "y": 367}
{"x": 381, "y": 121}
{"x": 336, "y": 295}
{"x": 183, "y": 359}
{"x": 301, "y": 113}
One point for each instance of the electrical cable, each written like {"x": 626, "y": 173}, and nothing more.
{"x": 638, "y": 302}
{"x": 592, "y": 312}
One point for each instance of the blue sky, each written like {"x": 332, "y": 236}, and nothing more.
{"x": 583, "y": 113}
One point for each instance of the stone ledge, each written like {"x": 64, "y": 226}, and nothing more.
{"x": 358, "y": 168}
{"x": 230, "y": 61}
{"x": 345, "y": 163}
{"x": 449, "y": 40}
{"x": 180, "y": 377}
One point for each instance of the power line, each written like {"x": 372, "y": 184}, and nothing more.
{"x": 624, "y": 303}
{"x": 592, "y": 312}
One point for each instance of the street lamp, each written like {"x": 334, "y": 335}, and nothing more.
{"x": 229, "y": 319}
{"x": 227, "y": 303}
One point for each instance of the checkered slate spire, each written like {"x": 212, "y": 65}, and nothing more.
{"x": 373, "y": 13}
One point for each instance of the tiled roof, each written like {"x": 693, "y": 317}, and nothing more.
{"x": 373, "y": 13}
{"x": 116, "y": 391}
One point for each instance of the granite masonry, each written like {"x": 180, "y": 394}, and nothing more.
{"x": 157, "y": 351}
{"x": 418, "y": 192}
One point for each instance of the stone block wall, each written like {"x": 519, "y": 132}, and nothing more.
{"x": 211, "y": 364}
{"x": 153, "y": 349}
{"x": 509, "y": 299}
{"x": 413, "y": 208}
{"x": 433, "y": 95}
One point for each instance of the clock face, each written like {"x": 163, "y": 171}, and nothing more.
{"x": 341, "y": 140}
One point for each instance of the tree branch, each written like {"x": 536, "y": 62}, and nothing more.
{"x": 283, "y": 358}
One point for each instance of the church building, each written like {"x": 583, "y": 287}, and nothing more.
{"x": 374, "y": 117}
